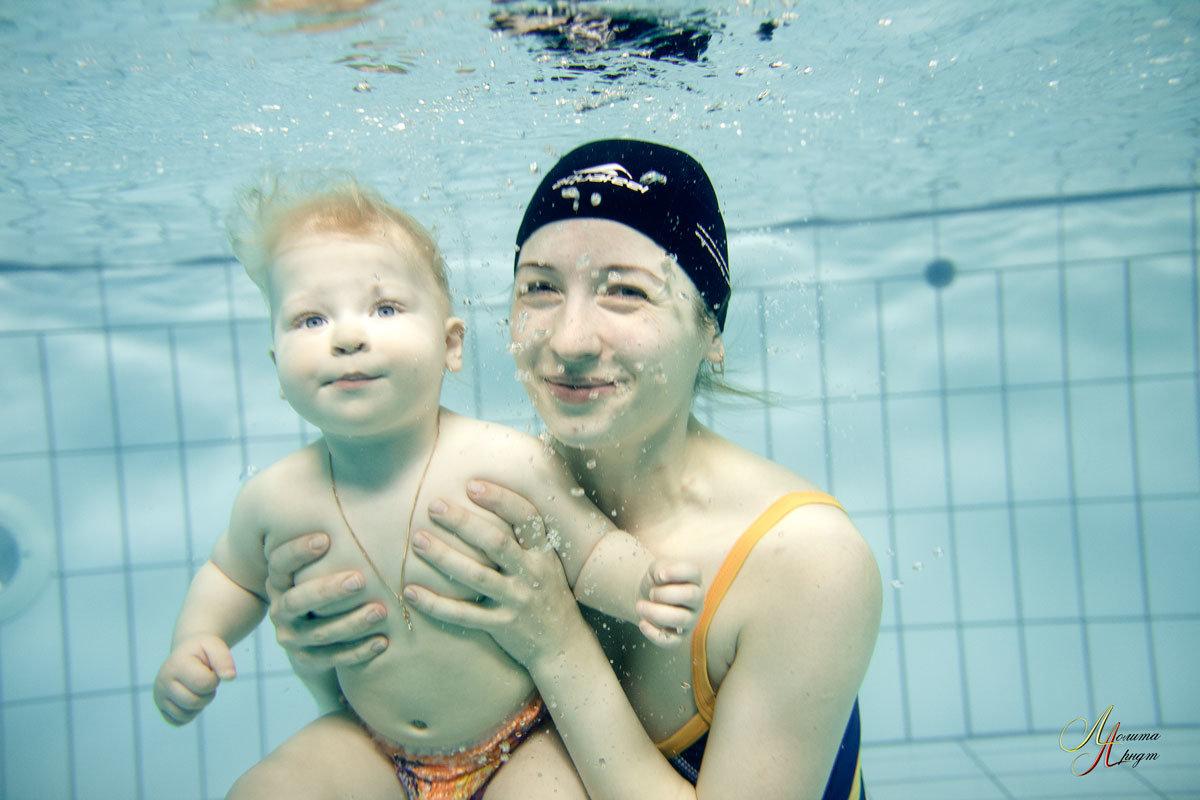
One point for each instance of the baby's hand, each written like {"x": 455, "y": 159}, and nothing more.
{"x": 669, "y": 603}
{"x": 187, "y": 680}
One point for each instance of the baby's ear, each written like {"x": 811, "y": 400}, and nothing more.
{"x": 456, "y": 330}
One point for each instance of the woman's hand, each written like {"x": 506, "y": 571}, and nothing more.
{"x": 526, "y": 606}
{"x": 314, "y": 639}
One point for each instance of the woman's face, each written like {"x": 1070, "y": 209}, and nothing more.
{"x": 605, "y": 333}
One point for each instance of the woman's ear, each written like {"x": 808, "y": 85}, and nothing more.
{"x": 456, "y": 330}
{"x": 715, "y": 353}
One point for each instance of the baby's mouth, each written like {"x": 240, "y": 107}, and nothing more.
{"x": 352, "y": 380}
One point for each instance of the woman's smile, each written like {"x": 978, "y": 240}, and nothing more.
{"x": 578, "y": 391}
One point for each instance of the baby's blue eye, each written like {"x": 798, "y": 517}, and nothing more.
{"x": 387, "y": 310}
{"x": 312, "y": 322}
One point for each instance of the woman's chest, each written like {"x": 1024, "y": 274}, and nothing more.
{"x": 661, "y": 682}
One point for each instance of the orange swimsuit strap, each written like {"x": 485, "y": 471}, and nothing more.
{"x": 702, "y": 688}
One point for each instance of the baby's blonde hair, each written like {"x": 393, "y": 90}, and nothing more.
{"x": 290, "y": 204}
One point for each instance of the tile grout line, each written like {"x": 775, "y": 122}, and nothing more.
{"x": 965, "y": 745}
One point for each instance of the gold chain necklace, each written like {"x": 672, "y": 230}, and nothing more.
{"x": 408, "y": 535}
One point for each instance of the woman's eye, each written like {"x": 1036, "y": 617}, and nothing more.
{"x": 624, "y": 291}
{"x": 536, "y": 287}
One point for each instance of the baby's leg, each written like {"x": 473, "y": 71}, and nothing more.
{"x": 329, "y": 758}
{"x": 539, "y": 767}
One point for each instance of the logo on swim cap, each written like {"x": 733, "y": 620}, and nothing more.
{"x": 612, "y": 173}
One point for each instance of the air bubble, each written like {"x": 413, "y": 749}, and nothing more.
{"x": 572, "y": 194}
{"x": 577, "y": 492}
{"x": 897, "y": 583}
{"x": 591, "y": 463}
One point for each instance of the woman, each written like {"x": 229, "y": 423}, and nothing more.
{"x": 621, "y": 292}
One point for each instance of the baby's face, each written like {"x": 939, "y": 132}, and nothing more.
{"x": 361, "y": 331}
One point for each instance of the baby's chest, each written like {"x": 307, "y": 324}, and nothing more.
{"x": 372, "y": 537}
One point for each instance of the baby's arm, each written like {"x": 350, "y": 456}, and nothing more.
{"x": 666, "y": 601}
{"x": 217, "y": 613}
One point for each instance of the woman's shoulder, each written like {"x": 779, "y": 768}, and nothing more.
{"x": 745, "y": 477}
{"x": 794, "y": 523}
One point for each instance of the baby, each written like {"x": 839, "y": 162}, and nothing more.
{"x": 362, "y": 334}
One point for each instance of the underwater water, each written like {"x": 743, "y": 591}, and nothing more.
{"x": 964, "y": 248}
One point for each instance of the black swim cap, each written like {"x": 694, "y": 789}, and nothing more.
{"x": 662, "y": 192}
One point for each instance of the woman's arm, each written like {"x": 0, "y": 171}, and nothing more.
{"x": 609, "y": 570}
{"x": 534, "y": 616}
{"x": 810, "y": 613}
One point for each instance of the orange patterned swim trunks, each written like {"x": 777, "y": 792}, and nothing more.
{"x": 461, "y": 775}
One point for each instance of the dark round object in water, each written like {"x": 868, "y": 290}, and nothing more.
{"x": 10, "y": 557}
{"x": 940, "y": 272}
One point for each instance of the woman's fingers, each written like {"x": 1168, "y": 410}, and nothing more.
{"x": 511, "y": 507}
{"x": 341, "y": 655}
{"x": 457, "y": 565}
{"x": 465, "y": 613}
{"x": 338, "y": 640}
{"x": 285, "y": 560}
{"x": 315, "y": 596}
{"x": 492, "y": 537}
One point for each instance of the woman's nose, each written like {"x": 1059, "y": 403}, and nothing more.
{"x": 574, "y": 334}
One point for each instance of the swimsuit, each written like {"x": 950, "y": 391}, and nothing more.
{"x": 685, "y": 747}
{"x": 463, "y": 774}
